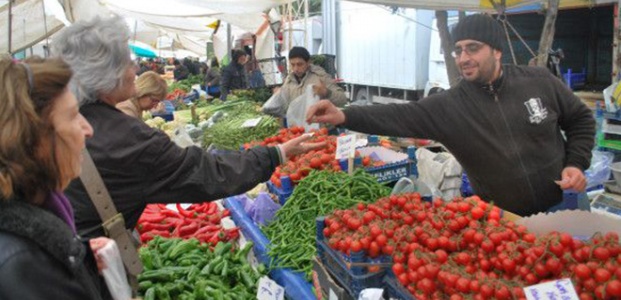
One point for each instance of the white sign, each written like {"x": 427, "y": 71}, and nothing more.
{"x": 561, "y": 289}
{"x": 345, "y": 146}
{"x": 269, "y": 290}
{"x": 252, "y": 122}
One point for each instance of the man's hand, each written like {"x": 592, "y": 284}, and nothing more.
{"x": 320, "y": 89}
{"x": 298, "y": 146}
{"x": 325, "y": 112}
{"x": 572, "y": 178}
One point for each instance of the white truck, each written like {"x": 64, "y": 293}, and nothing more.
{"x": 388, "y": 55}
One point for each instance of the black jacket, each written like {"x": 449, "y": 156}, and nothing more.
{"x": 233, "y": 78}
{"x": 141, "y": 165}
{"x": 40, "y": 257}
{"x": 509, "y": 140}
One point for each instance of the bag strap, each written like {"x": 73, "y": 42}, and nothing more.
{"x": 113, "y": 222}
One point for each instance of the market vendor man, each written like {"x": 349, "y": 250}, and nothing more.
{"x": 504, "y": 124}
{"x": 303, "y": 74}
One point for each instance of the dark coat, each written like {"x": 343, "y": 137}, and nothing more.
{"x": 233, "y": 78}
{"x": 40, "y": 257}
{"x": 509, "y": 139}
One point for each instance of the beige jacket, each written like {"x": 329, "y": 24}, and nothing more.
{"x": 291, "y": 89}
{"x": 130, "y": 108}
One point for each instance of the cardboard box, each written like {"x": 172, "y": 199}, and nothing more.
{"x": 325, "y": 286}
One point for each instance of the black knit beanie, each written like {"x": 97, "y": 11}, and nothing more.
{"x": 479, "y": 27}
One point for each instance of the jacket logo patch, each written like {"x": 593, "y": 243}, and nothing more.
{"x": 536, "y": 110}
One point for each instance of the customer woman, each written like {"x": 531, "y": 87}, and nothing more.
{"x": 41, "y": 139}
{"x": 140, "y": 165}
{"x": 150, "y": 90}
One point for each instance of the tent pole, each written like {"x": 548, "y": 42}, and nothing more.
{"x": 10, "y": 26}
{"x": 229, "y": 41}
{"x": 306, "y": 24}
{"x": 47, "y": 40}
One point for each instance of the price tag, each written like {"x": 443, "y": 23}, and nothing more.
{"x": 561, "y": 289}
{"x": 252, "y": 122}
{"x": 269, "y": 290}
{"x": 345, "y": 146}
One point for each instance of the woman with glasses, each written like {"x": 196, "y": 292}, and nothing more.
{"x": 151, "y": 88}
{"x": 503, "y": 123}
{"x": 43, "y": 134}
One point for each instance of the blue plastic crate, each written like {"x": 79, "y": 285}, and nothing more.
{"x": 394, "y": 288}
{"x": 166, "y": 116}
{"x": 390, "y": 172}
{"x": 296, "y": 286}
{"x": 354, "y": 278}
{"x": 575, "y": 80}
{"x": 281, "y": 193}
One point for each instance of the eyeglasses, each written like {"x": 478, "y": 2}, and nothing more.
{"x": 470, "y": 49}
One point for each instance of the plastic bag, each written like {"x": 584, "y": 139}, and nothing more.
{"x": 114, "y": 272}
{"x": 441, "y": 171}
{"x": 414, "y": 185}
{"x": 599, "y": 171}
{"x": 275, "y": 105}
{"x": 296, "y": 113}
{"x": 264, "y": 209}
{"x": 181, "y": 137}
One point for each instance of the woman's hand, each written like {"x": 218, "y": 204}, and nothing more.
{"x": 97, "y": 244}
{"x": 298, "y": 145}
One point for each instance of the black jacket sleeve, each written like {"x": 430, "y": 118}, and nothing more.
{"x": 421, "y": 119}
{"x": 578, "y": 124}
{"x": 193, "y": 175}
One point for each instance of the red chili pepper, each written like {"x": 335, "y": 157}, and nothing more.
{"x": 170, "y": 213}
{"x": 151, "y": 218}
{"x": 147, "y": 236}
{"x": 155, "y": 226}
{"x": 208, "y": 228}
{"x": 188, "y": 229}
{"x": 226, "y": 213}
{"x": 212, "y": 209}
{"x": 214, "y": 219}
{"x": 183, "y": 212}
{"x": 214, "y": 239}
{"x": 231, "y": 234}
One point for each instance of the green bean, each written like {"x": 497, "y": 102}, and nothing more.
{"x": 292, "y": 233}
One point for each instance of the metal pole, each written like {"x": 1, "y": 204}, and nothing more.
{"x": 306, "y": 24}
{"x": 290, "y": 33}
{"x": 229, "y": 41}
{"x": 47, "y": 41}
{"x": 616, "y": 39}
{"x": 10, "y": 35}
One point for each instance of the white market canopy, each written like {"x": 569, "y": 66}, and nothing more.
{"x": 189, "y": 22}
{"x": 478, "y": 5}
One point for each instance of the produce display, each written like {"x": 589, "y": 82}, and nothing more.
{"x": 463, "y": 249}
{"x": 229, "y": 133}
{"x": 292, "y": 232}
{"x": 188, "y": 269}
{"x": 199, "y": 221}
{"x": 298, "y": 167}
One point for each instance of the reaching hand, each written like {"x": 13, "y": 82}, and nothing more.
{"x": 572, "y": 178}
{"x": 325, "y": 112}
{"x": 298, "y": 146}
{"x": 96, "y": 244}
{"x": 320, "y": 89}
